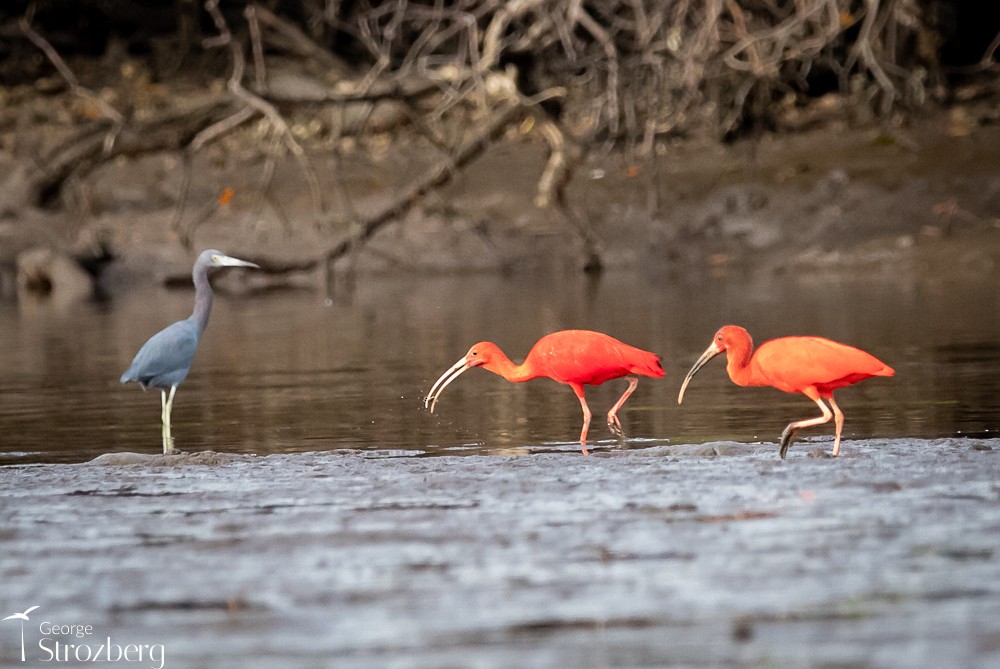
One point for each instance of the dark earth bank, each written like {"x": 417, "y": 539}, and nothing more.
{"x": 923, "y": 198}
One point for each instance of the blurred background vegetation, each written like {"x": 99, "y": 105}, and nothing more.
{"x": 111, "y": 79}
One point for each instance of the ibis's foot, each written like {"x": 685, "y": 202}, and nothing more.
{"x": 786, "y": 440}
{"x": 616, "y": 428}
{"x": 585, "y": 451}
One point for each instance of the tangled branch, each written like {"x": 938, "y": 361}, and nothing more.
{"x": 611, "y": 73}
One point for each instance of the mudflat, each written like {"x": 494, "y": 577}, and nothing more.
{"x": 716, "y": 554}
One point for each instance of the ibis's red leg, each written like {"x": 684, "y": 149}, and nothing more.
{"x": 578, "y": 389}
{"x": 613, "y": 423}
{"x": 838, "y": 418}
{"x": 789, "y": 433}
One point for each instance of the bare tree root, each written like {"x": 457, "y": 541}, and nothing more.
{"x": 435, "y": 178}
{"x": 37, "y": 184}
{"x": 66, "y": 73}
{"x": 185, "y": 233}
{"x": 438, "y": 176}
{"x": 255, "y": 102}
{"x": 627, "y": 73}
{"x": 552, "y": 185}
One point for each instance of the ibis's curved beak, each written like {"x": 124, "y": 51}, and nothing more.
{"x": 710, "y": 352}
{"x": 453, "y": 373}
{"x": 228, "y": 261}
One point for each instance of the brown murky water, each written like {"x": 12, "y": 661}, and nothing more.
{"x": 350, "y": 528}
{"x": 281, "y": 372}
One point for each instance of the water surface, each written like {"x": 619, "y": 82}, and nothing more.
{"x": 283, "y": 372}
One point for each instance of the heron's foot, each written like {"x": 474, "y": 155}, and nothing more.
{"x": 168, "y": 447}
{"x": 787, "y": 437}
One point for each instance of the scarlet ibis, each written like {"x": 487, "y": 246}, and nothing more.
{"x": 573, "y": 357}
{"x": 813, "y": 366}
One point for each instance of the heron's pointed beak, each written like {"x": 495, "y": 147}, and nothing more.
{"x": 712, "y": 351}
{"x": 229, "y": 261}
{"x": 453, "y": 373}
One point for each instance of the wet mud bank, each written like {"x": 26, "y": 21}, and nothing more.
{"x": 697, "y": 555}
{"x": 921, "y": 199}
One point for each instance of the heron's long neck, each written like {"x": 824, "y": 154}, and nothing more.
{"x": 202, "y": 300}
{"x": 738, "y": 365}
{"x": 501, "y": 365}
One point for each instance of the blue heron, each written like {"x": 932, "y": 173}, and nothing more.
{"x": 165, "y": 359}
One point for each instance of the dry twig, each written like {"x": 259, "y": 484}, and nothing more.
{"x": 106, "y": 110}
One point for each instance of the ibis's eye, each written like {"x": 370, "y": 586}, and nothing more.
{"x": 719, "y": 338}
{"x": 475, "y": 353}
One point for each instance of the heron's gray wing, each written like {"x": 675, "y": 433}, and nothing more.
{"x": 165, "y": 359}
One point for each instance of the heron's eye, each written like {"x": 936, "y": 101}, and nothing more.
{"x": 215, "y": 258}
